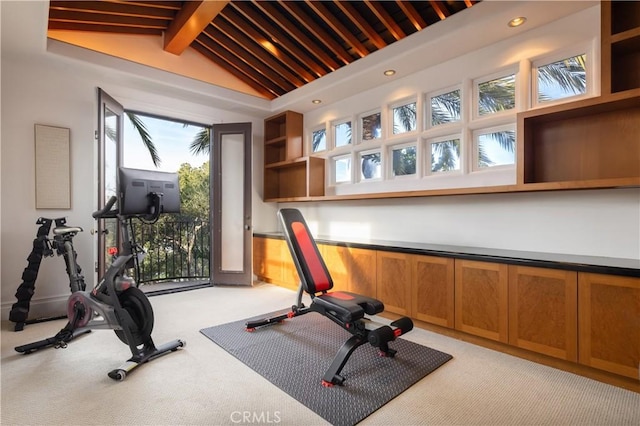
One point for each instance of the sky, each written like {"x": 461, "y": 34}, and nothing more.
{"x": 171, "y": 139}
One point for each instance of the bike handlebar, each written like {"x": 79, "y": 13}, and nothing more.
{"x": 106, "y": 211}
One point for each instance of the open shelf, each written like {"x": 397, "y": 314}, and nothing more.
{"x": 300, "y": 178}
{"x": 588, "y": 143}
{"x": 620, "y": 45}
{"x": 287, "y": 174}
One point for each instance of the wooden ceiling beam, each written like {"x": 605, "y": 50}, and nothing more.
{"x": 304, "y": 20}
{"x": 116, "y": 29}
{"x": 412, "y": 14}
{"x": 440, "y": 9}
{"x": 233, "y": 18}
{"x": 230, "y": 63}
{"x": 253, "y": 48}
{"x": 358, "y": 20}
{"x": 190, "y": 21}
{"x": 56, "y": 15}
{"x": 276, "y": 35}
{"x": 111, "y": 8}
{"x": 386, "y": 19}
{"x": 269, "y": 10}
{"x": 347, "y": 35}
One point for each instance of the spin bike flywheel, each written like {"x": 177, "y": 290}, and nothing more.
{"x": 134, "y": 301}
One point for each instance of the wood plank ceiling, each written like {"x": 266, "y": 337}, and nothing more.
{"x": 273, "y": 46}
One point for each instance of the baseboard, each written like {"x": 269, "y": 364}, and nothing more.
{"x": 44, "y": 307}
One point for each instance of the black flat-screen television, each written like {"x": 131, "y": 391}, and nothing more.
{"x": 147, "y": 193}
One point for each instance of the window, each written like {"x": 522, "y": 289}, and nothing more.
{"x": 561, "y": 79}
{"x": 445, "y": 155}
{"x": 494, "y": 148}
{"x": 371, "y": 127}
{"x": 404, "y": 118}
{"x": 444, "y": 108}
{"x": 342, "y": 168}
{"x": 319, "y": 140}
{"x": 403, "y": 160}
{"x": 496, "y": 95}
{"x": 370, "y": 165}
{"x": 342, "y": 134}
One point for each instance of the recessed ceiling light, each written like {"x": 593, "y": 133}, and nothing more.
{"x": 516, "y": 22}
{"x": 316, "y": 101}
{"x": 389, "y": 73}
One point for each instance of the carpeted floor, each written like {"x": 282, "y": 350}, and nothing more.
{"x": 294, "y": 355}
{"x": 202, "y": 384}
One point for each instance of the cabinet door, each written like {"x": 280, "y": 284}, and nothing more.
{"x": 267, "y": 259}
{"x": 432, "y": 290}
{"x": 609, "y": 323}
{"x": 481, "y": 299}
{"x": 290, "y": 277}
{"x": 337, "y": 260}
{"x": 543, "y": 313}
{"x": 362, "y": 273}
{"x": 394, "y": 281}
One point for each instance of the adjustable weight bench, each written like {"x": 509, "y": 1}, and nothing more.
{"x": 348, "y": 310}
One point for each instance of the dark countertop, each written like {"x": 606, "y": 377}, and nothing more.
{"x": 594, "y": 264}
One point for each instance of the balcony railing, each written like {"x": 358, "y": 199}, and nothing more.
{"x": 176, "y": 250}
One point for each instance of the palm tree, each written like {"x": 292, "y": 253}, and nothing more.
{"x": 141, "y": 128}
{"x": 406, "y": 115}
{"x": 201, "y": 141}
{"x": 569, "y": 74}
{"x": 448, "y": 153}
{"x": 318, "y": 137}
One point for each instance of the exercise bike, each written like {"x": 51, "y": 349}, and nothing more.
{"x": 114, "y": 303}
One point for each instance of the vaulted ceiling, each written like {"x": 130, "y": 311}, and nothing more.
{"x": 272, "y": 46}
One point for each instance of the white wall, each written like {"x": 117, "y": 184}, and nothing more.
{"x": 44, "y": 88}
{"x": 594, "y": 222}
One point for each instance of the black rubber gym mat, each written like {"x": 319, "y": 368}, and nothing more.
{"x": 294, "y": 355}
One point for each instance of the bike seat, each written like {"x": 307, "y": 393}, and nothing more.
{"x": 62, "y": 230}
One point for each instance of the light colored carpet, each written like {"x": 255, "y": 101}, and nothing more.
{"x": 203, "y": 385}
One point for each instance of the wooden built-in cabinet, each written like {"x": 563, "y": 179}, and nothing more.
{"x": 584, "y": 318}
{"x": 543, "y": 311}
{"x": 432, "y": 290}
{"x": 620, "y": 42}
{"x": 609, "y": 323}
{"x": 352, "y": 269}
{"x": 267, "y": 259}
{"x": 287, "y": 174}
{"x": 481, "y": 302}
{"x": 272, "y": 262}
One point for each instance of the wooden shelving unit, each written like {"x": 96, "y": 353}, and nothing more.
{"x": 620, "y": 53}
{"x": 287, "y": 174}
{"x": 591, "y": 143}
